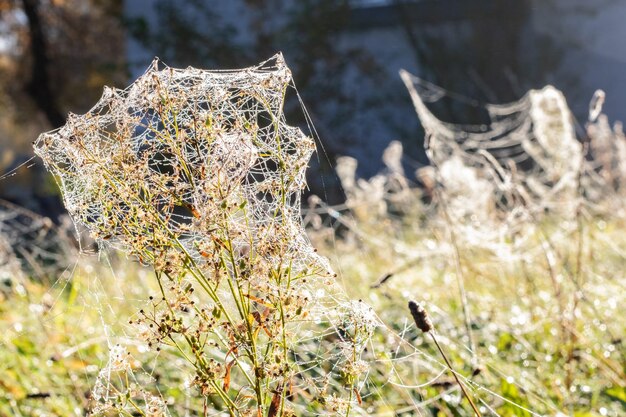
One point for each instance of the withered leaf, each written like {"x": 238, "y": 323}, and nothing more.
{"x": 275, "y": 404}
{"x": 226, "y": 385}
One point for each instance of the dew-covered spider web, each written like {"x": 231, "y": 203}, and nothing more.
{"x": 197, "y": 174}
{"x": 526, "y": 155}
{"x": 190, "y": 137}
{"x": 530, "y": 157}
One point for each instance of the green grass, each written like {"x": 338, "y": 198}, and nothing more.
{"x": 546, "y": 321}
{"x": 548, "y": 337}
{"x": 54, "y": 340}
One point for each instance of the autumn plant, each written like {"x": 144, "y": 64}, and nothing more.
{"x": 425, "y": 324}
{"x": 514, "y": 242}
{"x": 197, "y": 174}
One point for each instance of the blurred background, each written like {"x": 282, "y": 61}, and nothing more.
{"x": 56, "y": 55}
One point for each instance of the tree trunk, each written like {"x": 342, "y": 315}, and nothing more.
{"x": 39, "y": 86}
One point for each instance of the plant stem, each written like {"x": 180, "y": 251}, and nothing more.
{"x": 445, "y": 358}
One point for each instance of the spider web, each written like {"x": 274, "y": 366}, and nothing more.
{"x": 527, "y": 155}
{"x": 207, "y": 157}
{"x": 240, "y": 112}
{"x": 143, "y": 153}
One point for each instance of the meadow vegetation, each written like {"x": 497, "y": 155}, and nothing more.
{"x": 217, "y": 303}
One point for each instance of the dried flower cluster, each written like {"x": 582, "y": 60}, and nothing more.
{"x": 198, "y": 174}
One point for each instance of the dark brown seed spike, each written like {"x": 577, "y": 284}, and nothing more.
{"x": 422, "y": 321}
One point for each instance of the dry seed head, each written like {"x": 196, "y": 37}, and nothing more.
{"x": 198, "y": 173}
{"x": 422, "y": 321}
{"x": 184, "y": 154}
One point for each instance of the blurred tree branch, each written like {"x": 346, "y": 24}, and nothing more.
{"x": 39, "y": 85}
{"x": 55, "y": 57}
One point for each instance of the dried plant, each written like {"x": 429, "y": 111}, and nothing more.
{"x": 198, "y": 174}
{"x": 518, "y": 212}
{"x": 423, "y": 322}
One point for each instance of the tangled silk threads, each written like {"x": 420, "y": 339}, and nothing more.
{"x": 198, "y": 174}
